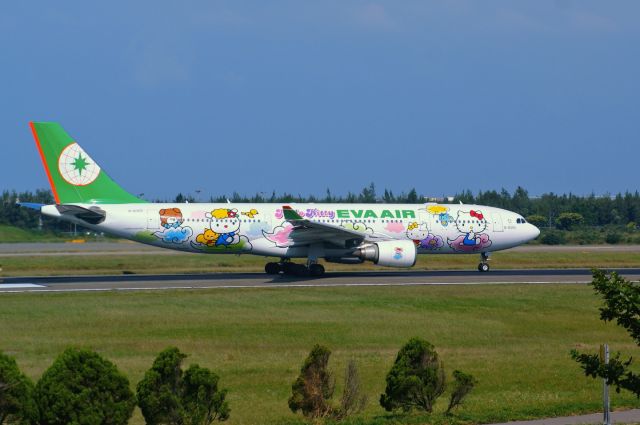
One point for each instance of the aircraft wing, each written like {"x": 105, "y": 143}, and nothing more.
{"x": 306, "y": 232}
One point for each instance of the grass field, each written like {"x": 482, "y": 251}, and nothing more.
{"x": 514, "y": 338}
{"x": 16, "y": 234}
{"x": 199, "y": 263}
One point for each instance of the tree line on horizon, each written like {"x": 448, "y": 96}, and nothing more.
{"x": 618, "y": 209}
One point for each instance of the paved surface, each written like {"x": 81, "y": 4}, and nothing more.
{"x": 260, "y": 280}
{"x": 624, "y": 417}
{"x": 127, "y": 248}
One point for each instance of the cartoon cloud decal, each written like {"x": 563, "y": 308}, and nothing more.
{"x": 394, "y": 227}
{"x": 482, "y": 242}
{"x": 431, "y": 242}
{"x": 358, "y": 226}
{"x": 175, "y": 235}
{"x": 280, "y": 235}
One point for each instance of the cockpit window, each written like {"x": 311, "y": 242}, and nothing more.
{"x": 524, "y": 221}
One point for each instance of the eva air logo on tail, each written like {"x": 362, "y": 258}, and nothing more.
{"x": 76, "y": 167}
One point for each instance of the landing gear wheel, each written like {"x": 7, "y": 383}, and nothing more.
{"x": 272, "y": 268}
{"x": 316, "y": 270}
{"x": 483, "y": 267}
{"x": 295, "y": 269}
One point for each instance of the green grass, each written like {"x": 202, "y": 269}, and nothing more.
{"x": 199, "y": 263}
{"x": 515, "y": 339}
{"x": 16, "y": 234}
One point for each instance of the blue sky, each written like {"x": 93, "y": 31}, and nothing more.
{"x": 300, "y": 96}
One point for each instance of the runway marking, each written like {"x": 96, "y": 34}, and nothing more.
{"x": 281, "y": 285}
{"x": 20, "y": 285}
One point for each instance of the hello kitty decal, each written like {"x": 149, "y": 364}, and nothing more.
{"x": 471, "y": 224}
{"x": 419, "y": 233}
{"x": 223, "y": 231}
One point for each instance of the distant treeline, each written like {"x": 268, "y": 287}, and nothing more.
{"x": 620, "y": 209}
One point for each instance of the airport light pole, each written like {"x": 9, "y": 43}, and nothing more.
{"x": 604, "y": 358}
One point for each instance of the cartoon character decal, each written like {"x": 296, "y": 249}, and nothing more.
{"x": 398, "y": 253}
{"x": 471, "y": 223}
{"x": 171, "y": 220}
{"x": 420, "y": 235}
{"x": 223, "y": 231}
{"x": 252, "y": 213}
{"x": 442, "y": 212}
{"x": 208, "y": 238}
{"x": 445, "y": 219}
{"x": 417, "y": 232}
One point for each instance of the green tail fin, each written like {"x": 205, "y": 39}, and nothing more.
{"x": 73, "y": 175}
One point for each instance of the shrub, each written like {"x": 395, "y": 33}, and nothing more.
{"x": 552, "y": 238}
{"x": 82, "y": 387}
{"x": 352, "y": 401}
{"x": 167, "y": 395}
{"x": 416, "y": 379}
{"x": 16, "y": 394}
{"x": 569, "y": 220}
{"x": 613, "y": 238}
{"x": 313, "y": 388}
{"x": 464, "y": 383}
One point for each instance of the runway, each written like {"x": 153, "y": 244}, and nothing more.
{"x": 128, "y": 282}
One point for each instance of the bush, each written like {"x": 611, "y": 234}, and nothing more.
{"x": 352, "y": 401}
{"x": 313, "y": 388}
{"x": 167, "y": 395}
{"x": 415, "y": 380}
{"x": 552, "y": 238}
{"x": 464, "y": 383}
{"x": 569, "y": 220}
{"x": 82, "y": 387}
{"x": 16, "y": 394}
{"x": 613, "y": 238}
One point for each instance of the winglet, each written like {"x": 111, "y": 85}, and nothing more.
{"x": 290, "y": 213}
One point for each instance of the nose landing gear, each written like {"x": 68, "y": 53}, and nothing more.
{"x": 484, "y": 262}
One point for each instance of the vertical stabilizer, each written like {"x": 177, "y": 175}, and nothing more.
{"x": 73, "y": 175}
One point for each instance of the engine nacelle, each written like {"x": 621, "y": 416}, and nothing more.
{"x": 389, "y": 253}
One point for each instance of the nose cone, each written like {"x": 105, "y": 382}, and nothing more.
{"x": 532, "y": 232}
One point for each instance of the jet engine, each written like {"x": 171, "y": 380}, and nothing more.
{"x": 388, "y": 253}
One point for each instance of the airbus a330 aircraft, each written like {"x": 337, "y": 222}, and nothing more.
{"x": 386, "y": 234}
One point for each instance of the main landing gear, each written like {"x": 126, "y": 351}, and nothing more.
{"x": 288, "y": 268}
{"x": 484, "y": 262}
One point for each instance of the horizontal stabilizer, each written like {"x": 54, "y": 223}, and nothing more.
{"x": 92, "y": 215}
{"x": 31, "y": 205}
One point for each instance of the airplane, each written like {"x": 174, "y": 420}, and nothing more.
{"x": 390, "y": 235}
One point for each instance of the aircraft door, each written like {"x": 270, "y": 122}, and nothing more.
{"x": 497, "y": 222}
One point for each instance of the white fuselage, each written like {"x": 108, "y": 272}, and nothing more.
{"x": 261, "y": 229}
